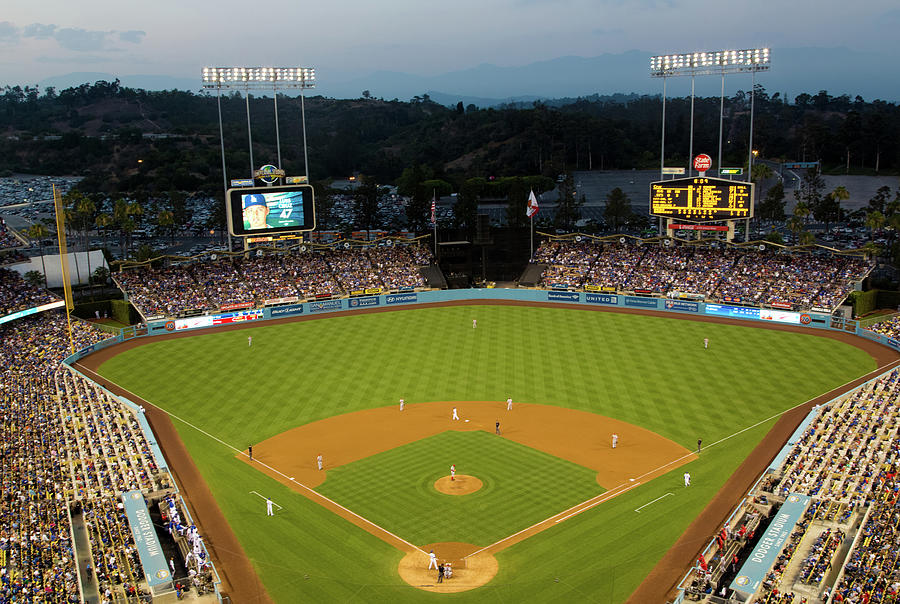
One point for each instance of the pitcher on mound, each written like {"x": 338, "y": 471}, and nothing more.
{"x": 453, "y": 472}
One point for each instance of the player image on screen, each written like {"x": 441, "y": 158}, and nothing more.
{"x": 256, "y": 211}
{"x": 268, "y": 210}
{"x": 264, "y": 211}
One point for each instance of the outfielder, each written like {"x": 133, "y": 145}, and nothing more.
{"x": 474, "y": 323}
{"x": 249, "y": 341}
{"x": 687, "y": 479}
{"x": 705, "y": 342}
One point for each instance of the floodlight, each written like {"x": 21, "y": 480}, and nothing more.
{"x": 707, "y": 63}
{"x": 258, "y": 77}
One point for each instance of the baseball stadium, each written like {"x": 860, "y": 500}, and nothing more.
{"x": 324, "y": 416}
{"x": 289, "y": 432}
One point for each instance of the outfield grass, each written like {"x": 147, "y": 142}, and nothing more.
{"x": 522, "y": 486}
{"x": 649, "y": 371}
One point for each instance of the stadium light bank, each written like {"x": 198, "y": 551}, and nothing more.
{"x": 722, "y": 62}
{"x": 260, "y": 78}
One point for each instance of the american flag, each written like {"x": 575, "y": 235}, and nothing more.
{"x": 432, "y": 211}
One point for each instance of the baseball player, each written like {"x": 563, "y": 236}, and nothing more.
{"x": 497, "y": 427}
{"x": 402, "y": 403}
{"x": 453, "y": 472}
{"x": 687, "y": 479}
{"x": 615, "y": 440}
{"x": 269, "y": 511}
{"x": 249, "y": 341}
{"x": 432, "y": 560}
{"x": 699, "y": 442}
{"x": 455, "y": 414}
{"x": 705, "y": 343}
{"x": 319, "y": 462}
{"x": 474, "y": 323}
{"x": 509, "y": 404}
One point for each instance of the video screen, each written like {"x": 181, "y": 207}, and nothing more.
{"x": 271, "y": 210}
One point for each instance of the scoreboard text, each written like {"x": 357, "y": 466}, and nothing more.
{"x": 701, "y": 199}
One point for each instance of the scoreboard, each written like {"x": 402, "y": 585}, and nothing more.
{"x": 701, "y": 199}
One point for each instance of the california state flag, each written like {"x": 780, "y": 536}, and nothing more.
{"x": 532, "y": 207}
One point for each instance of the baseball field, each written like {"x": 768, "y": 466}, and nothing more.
{"x": 546, "y": 510}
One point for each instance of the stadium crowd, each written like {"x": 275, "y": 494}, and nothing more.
{"x": 798, "y": 281}
{"x": 7, "y": 239}
{"x": 17, "y": 295}
{"x": 67, "y": 453}
{"x": 889, "y": 327}
{"x": 214, "y": 284}
{"x": 846, "y": 460}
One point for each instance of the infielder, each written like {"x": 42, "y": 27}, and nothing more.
{"x": 402, "y": 403}
{"x": 453, "y": 472}
{"x": 615, "y": 440}
{"x": 269, "y": 511}
{"x": 509, "y": 404}
{"x": 687, "y": 479}
{"x": 455, "y": 414}
{"x": 432, "y": 560}
{"x": 319, "y": 462}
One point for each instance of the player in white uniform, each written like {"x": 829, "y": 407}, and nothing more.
{"x": 319, "y": 462}
{"x": 402, "y": 403}
{"x": 474, "y": 323}
{"x": 455, "y": 414}
{"x": 249, "y": 341}
{"x": 269, "y": 511}
{"x": 453, "y": 472}
{"x": 705, "y": 343}
{"x": 509, "y": 404}
{"x": 615, "y": 440}
{"x": 687, "y": 479}
{"x": 432, "y": 560}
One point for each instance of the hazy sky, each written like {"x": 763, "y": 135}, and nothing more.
{"x": 176, "y": 38}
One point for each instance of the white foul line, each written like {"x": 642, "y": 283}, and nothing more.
{"x": 267, "y": 499}
{"x": 654, "y": 501}
{"x": 290, "y": 478}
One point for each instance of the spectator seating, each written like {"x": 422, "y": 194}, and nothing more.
{"x": 798, "y": 281}
{"x": 210, "y": 285}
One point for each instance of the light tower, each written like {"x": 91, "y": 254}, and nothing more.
{"x": 721, "y": 63}
{"x": 259, "y": 78}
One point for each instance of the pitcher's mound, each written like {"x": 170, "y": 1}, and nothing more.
{"x": 468, "y": 573}
{"x": 462, "y": 485}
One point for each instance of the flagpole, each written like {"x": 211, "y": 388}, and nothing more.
{"x": 434, "y": 220}
{"x": 532, "y": 236}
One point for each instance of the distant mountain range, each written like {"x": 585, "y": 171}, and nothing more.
{"x": 794, "y": 71}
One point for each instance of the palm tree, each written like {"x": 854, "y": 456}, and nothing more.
{"x": 874, "y": 221}
{"x": 166, "y": 221}
{"x": 39, "y": 232}
{"x": 103, "y": 222}
{"x": 758, "y": 173}
{"x": 85, "y": 208}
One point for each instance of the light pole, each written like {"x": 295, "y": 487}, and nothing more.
{"x": 711, "y": 63}
{"x": 247, "y": 78}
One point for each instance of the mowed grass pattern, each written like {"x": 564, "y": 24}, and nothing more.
{"x": 650, "y": 371}
{"x": 522, "y": 486}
